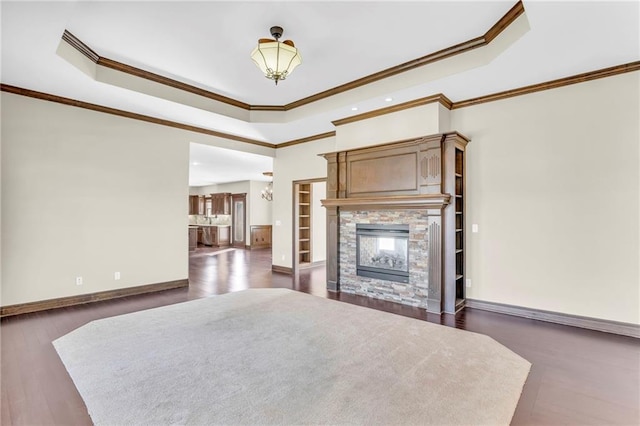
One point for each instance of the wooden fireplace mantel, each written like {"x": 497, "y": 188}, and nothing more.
{"x": 425, "y": 173}
{"x": 423, "y": 201}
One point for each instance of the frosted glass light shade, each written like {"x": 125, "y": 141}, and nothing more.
{"x": 276, "y": 60}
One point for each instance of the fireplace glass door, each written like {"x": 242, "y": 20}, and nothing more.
{"x": 383, "y": 252}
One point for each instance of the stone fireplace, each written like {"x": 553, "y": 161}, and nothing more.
{"x": 382, "y": 251}
{"x": 412, "y": 290}
{"x": 394, "y": 222}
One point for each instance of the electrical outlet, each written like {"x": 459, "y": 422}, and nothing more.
{"x": 283, "y": 257}
{"x": 116, "y": 275}
{"x": 278, "y": 223}
{"x": 474, "y": 228}
{"x": 468, "y": 282}
{"x": 78, "y": 280}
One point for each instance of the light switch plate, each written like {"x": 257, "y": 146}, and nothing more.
{"x": 474, "y": 227}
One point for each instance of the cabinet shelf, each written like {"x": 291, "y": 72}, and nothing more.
{"x": 458, "y": 187}
{"x": 304, "y": 215}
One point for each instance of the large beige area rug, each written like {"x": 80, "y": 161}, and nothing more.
{"x": 275, "y": 356}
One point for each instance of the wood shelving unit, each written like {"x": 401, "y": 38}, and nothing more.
{"x": 459, "y": 227}
{"x": 304, "y": 224}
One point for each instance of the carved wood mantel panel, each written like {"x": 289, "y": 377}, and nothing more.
{"x": 412, "y": 174}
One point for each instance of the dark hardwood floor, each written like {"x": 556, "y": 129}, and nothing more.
{"x": 578, "y": 376}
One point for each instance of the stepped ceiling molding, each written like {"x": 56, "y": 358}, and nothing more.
{"x": 187, "y": 64}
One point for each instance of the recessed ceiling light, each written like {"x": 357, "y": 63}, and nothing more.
{"x": 195, "y": 163}
{"x": 354, "y": 108}
{"x": 388, "y": 99}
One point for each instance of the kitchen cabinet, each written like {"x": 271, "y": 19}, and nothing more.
{"x": 217, "y": 236}
{"x": 224, "y": 236}
{"x": 221, "y": 203}
{"x": 193, "y": 237}
{"x": 196, "y": 204}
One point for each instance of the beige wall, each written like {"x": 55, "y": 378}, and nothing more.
{"x": 88, "y": 194}
{"x": 553, "y": 184}
{"x": 409, "y": 123}
{"x": 260, "y": 211}
{"x": 292, "y": 163}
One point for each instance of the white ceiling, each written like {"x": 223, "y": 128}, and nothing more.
{"x": 209, "y": 165}
{"x": 207, "y": 44}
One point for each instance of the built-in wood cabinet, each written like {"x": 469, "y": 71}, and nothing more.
{"x": 422, "y": 174}
{"x": 304, "y": 221}
{"x": 213, "y": 232}
{"x": 459, "y": 224}
{"x": 213, "y": 204}
{"x": 453, "y": 220}
{"x": 216, "y": 236}
{"x": 223, "y": 236}
{"x": 196, "y": 204}
{"x": 260, "y": 236}
{"x": 221, "y": 203}
{"x": 193, "y": 238}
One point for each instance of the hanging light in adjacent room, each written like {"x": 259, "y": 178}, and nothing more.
{"x": 276, "y": 59}
{"x": 267, "y": 192}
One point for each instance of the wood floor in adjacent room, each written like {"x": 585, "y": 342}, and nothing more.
{"x": 578, "y": 376}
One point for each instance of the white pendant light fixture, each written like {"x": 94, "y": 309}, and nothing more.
{"x": 276, "y": 59}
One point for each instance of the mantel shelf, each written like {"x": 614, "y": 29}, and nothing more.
{"x": 426, "y": 201}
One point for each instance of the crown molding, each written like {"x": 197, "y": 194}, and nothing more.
{"x": 306, "y": 139}
{"x": 80, "y": 46}
{"x": 267, "y": 108}
{"x": 77, "y": 44}
{"x": 156, "y": 78}
{"x": 127, "y": 114}
{"x": 553, "y": 84}
{"x": 442, "y": 99}
{"x": 474, "y": 43}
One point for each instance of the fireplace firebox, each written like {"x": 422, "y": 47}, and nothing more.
{"x": 382, "y": 251}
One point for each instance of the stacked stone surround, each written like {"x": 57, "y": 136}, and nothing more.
{"x": 414, "y": 292}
